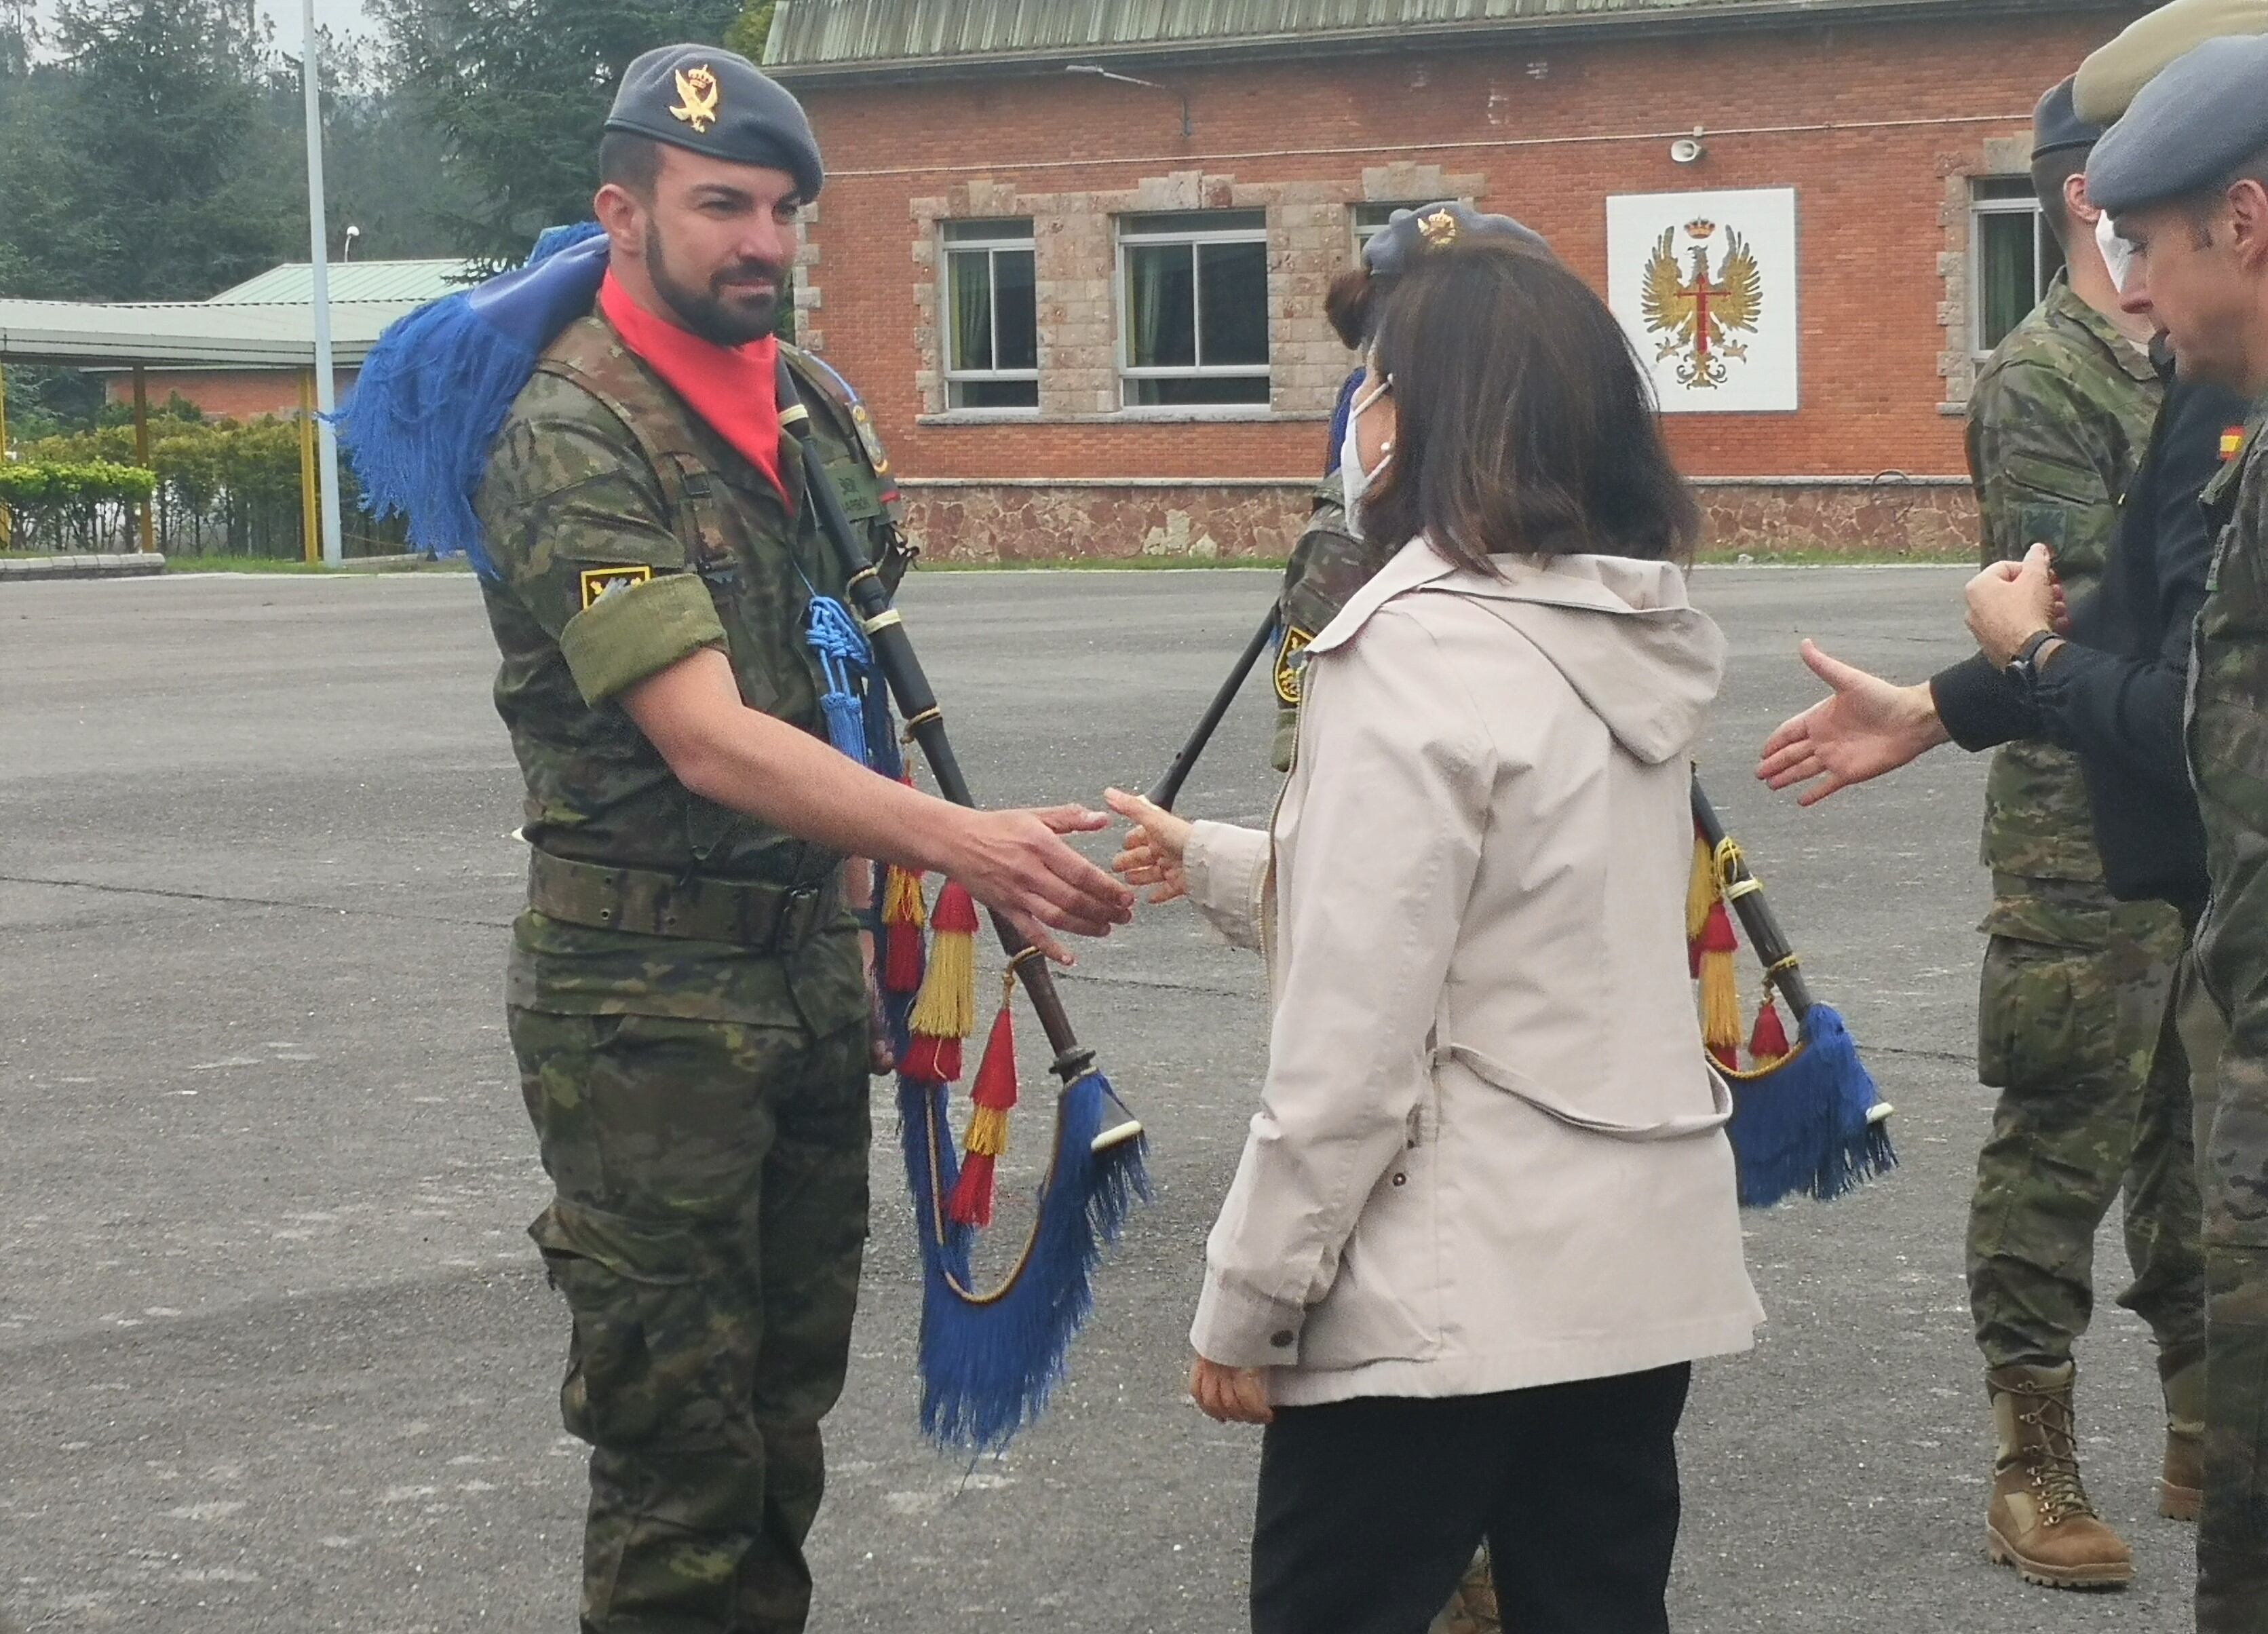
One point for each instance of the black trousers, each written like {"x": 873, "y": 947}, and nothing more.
{"x": 1370, "y": 1510}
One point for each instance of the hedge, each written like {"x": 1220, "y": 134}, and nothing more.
{"x": 215, "y": 488}
{"x": 25, "y": 486}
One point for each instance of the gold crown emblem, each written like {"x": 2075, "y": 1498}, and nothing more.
{"x": 697, "y": 91}
{"x": 1438, "y": 229}
{"x": 1699, "y": 227}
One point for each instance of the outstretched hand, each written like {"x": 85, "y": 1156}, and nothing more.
{"x": 1015, "y": 862}
{"x": 1865, "y": 727}
{"x": 1151, "y": 851}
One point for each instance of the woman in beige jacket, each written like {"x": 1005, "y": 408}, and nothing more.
{"x": 1485, "y": 1218}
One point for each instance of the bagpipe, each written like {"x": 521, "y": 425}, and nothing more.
{"x": 1806, "y": 1117}
{"x": 989, "y": 1359}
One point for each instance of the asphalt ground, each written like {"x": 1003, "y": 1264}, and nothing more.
{"x": 275, "y": 1355}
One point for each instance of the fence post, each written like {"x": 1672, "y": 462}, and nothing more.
{"x": 142, "y": 456}
{"x": 7, "y": 520}
{"x": 310, "y": 516}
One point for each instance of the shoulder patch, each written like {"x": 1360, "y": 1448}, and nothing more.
{"x": 1291, "y": 659}
{"x": 2232, "y": 442}
{"x": 604, "y": 581}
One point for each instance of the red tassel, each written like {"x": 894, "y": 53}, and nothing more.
{"x": 956, "y": 910}
{"x": 1718, "y": 935}
{"x": 971, "y": 1203}
{"x": 933, "y": 1060}
{"x": 995, "y": 1089}
{"x": 1768, "y": 1043}
{"x": 903, "y": 915}
{"x": 1728, "y": 1056}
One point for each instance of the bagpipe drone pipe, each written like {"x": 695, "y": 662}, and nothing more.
{"x": 1806, "y": 1118}
{"x": 987, "y": 1359}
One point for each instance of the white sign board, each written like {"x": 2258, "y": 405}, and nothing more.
{"x": 1704, "y": 284}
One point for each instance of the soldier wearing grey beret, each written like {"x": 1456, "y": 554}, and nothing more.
{"x": 709, "y": 100}
{"x": 2188, "y": 130}
{"x": 1410, "y": 233}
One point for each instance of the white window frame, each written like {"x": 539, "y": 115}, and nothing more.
{"x": 1131, "y": 234}
{"x": 2045, "y": 251}
{"x": 951, "y": 245}
{"x": 1364, "y": 231}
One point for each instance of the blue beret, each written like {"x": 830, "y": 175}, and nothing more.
{"x": 2057, "y": 126}
{"x": 709, "y": 100}
{"x": 1411, "y": 232}
{"x": 2195, "y": 123}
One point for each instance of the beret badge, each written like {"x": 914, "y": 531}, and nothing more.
{"x": 1439, "y": 229}
{"x": 697, "y": 93}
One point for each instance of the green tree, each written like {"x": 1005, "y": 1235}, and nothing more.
{"x": 517, "y": 90}
{"x": 752, "y": 28}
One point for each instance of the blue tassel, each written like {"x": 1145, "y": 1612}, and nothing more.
{"x": 845, "y": 659}
{"x": 989, "y": 1366}
{"x": 434, "y": 389}
{"x": 1809, "y": 1124}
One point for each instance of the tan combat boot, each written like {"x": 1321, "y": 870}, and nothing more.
{"x": 2040, "y": 1521}
{"x": 2181, "y": 1487}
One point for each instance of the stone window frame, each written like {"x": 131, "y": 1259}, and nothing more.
{"x": 1997, "y": 157}
{"x": 1310, "y": 236}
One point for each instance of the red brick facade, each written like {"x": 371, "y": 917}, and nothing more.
{"x": 1878, "y": 128}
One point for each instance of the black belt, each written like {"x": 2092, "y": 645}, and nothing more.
{"x": 766, "y": 918}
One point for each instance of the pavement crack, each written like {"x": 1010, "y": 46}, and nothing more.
{"x": 226, "y": 899}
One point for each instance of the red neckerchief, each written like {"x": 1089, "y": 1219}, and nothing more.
{"x": 733, "y": 389}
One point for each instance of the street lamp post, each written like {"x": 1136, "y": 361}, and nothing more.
{"x": 325, "y": 390}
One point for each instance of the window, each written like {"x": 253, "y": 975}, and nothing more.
{"x": 1370, "y": 220}
{"x": 993, "y": 361}
{"x": 2012, "y": 256}
{"x": 1193, "y": 313}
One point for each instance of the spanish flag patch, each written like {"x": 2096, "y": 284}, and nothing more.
{"x": 2232, "y": 442}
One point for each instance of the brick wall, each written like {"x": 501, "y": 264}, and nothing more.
{"x": 236, "y": 393}
{"x": 1877, "y": 126}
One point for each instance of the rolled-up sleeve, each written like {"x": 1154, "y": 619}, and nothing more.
{"x": 1370, "y": 892}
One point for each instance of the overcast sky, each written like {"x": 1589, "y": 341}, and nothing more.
{"x": 341, "y": 16}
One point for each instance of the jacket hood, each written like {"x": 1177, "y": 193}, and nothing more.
{"x": 1642, "y": 658}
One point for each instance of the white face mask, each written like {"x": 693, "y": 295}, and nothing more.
{"x": 2118, "y": 255}
{"x": 1353, "y": 480}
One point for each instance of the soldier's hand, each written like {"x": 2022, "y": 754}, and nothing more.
{"x": 1151, "y": 853}
{"x": 2010, "y": 602}
{"x": 1016, "y": 862}
{"x": 1230, "y": 1395}
{"x": 1867, "y": 726}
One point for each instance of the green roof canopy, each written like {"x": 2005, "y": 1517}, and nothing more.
{"x": 813, "y": 41}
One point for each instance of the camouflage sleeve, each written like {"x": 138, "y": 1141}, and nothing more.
{"x": 2229, "y": 758}
{"x": 2039, "y": 465}
{"x": 578, "y": 532}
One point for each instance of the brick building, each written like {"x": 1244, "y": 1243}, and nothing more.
{"x": 1087, "y": 314}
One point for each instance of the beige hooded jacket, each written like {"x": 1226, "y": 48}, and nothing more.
{"x": 1491, "y": 1152}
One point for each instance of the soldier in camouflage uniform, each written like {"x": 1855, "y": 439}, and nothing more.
{"x": 686, "y": 1000}
{"x": 2186, "y": 175}
{"x": 1328, "y": 565}
{"x": 2075, "y": 984}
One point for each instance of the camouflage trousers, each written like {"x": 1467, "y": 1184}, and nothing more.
{"x": 2089, "y": 1103}
{"x": 707, "y": 1227}
{"x": 2232, "y": 1143}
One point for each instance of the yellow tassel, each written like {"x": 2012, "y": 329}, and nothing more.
{"x": 1720, "y": 1006}
{"x": 901, "y": 898}
{"x": 946, "y": 1004}
{"x": 988, "y": 1132}
{"x": 1700, "y": 891}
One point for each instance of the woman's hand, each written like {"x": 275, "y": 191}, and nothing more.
{"x": 1231, "y": 1395}
{"x": 1151, "y": 853}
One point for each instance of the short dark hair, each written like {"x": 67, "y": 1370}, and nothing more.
{"x": 1524, "y": 422}
{"x": 2049, "y": 173}
{"x": 630, "y": 161}
{"x": 1347, "y": 305}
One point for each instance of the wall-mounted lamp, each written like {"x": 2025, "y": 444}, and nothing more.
{"x": 353, "y": 233}
{"x": 1688, "y": 150}
{"x": 1100, "y": 73}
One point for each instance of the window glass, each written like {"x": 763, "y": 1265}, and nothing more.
{"x": 1193, "y": 308}
{"x": 992, "y": 323}
{"x": 2015, "y": 257}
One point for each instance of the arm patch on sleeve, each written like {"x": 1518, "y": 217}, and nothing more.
{"x": 602, "y": 581}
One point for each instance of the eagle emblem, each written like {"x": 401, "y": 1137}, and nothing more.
{"x": 1438, "y": 229}
{"x": 696, "y": 99}
{"x": 1695, "y": 316}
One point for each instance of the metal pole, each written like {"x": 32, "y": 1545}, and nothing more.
{"x": 326, "y": 391}
{"x": 142, "y": 454}
{"x": 7, "y": 522}
{"x": 311, "y": 523}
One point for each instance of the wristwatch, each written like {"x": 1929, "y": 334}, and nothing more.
{"x": 2024, "y": 668}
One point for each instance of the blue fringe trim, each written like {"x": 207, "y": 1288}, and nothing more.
{"x": 1807, "y": 1125}
{"x": 436, "y": 387}
{"x": 989, "y": 1365}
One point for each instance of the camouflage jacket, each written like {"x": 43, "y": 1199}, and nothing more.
{"x": 1328, "y": 566}
{"x": 626, "y": 536}
{"x": 2229, "y": 760}
{"x": 2057, "y": 425}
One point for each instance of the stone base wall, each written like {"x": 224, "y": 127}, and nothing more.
{"x": 1933, "y": 519}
